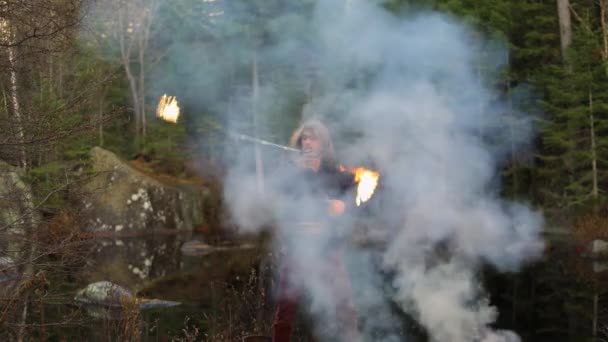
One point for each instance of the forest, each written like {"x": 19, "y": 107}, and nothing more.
{"x": 491, "y": 114}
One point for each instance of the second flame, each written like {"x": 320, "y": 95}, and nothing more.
{"x": 367, "y": 181}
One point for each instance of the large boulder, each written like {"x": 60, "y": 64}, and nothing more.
{"x": 125, "y": 199}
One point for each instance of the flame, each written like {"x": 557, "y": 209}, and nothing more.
{"x": 168, "y": 109}
{"x": 367, "y": 181}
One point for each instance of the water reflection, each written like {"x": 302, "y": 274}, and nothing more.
{"x": 561, "y": 298}
{"x": 149, "y": 268}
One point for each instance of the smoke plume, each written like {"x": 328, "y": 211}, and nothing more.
{"x": 410, "y": 95}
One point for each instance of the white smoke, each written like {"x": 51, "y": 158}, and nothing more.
{"x": 409, "y": 93}
{"x": 412, "y": 91}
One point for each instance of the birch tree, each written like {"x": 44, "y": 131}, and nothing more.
{"x": 8, "y": 39}
{"x": 127, "y": 27}
{"x": 40, "y": 119}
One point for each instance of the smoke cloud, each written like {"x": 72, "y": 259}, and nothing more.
{"x": 411, "y": 95}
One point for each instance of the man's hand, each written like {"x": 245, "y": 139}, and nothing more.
{"x": 336, "y": 207}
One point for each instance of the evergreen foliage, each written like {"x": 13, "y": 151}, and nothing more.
{"x": 83, "y": 88}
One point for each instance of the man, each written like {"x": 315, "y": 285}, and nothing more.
{"x": 314, "y": 191}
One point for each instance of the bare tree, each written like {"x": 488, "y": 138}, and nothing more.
{"x": 8, "y": 38}
{"x": 34, "y": 33}
{"x": 128, "y": 25}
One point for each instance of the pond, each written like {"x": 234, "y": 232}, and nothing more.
{"x": 204, "y": 279}
{"x": 226, "y": 293}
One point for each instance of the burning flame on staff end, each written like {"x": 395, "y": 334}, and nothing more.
{"x": 367, "y": 181}
{"x": 168, "y": 109}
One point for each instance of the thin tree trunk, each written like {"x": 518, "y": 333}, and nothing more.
{"x": 28, "y": 273}
{"x": 594, "y": 324}
{"x": 259, "y": 166}
{"x": 511, "y": 114}
{"x": 565, "y": 25}
{"x": 29, "y": 251}
{"x": 51, "y": 82}
{"x": 143, "y": 46}
{"x": 15, "y": 100}
{"x": 60, "y": 90}
{"x": 125, "y": 51}
{"x": 21, "y": 332}
{"x": 141, "y": 91}
{"x": 135, "y": 97}
{"x": 514, "y": 303}
{"x": 480, "y": 103}
{"x": 6, "y": 108}
{"x": 603, "y": 18}
{"x": 594, "y": 189}
{"x": 100, "y": 128}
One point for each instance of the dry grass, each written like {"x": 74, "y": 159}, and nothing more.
{"x": 62, "y": 239}
{"x": 590, "y": 227}
{"x": 130, "y": 320}
{"x": 243, "y": 310}
{"x": 190, "y": 333}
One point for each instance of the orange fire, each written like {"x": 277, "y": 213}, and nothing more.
{"x": 367, "y": 181}
{"x": 168, "y": 109}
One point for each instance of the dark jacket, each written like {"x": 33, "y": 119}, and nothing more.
{"x": 304, "y": 193}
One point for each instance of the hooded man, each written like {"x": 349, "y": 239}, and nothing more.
{"x": 314, "y": 192}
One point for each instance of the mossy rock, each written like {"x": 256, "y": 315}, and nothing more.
{"x": 125, "y": 199}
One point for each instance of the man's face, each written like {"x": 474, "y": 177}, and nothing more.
{"x": 311, "y": 144}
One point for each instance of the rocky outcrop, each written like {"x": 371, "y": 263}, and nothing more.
{"x": 134, "y": 261}
{"x": 124, "y": 199}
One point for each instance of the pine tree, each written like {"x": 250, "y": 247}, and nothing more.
{"x": 573, "y": 130}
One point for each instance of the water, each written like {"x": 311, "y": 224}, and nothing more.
{"x": 560, "y": 298}
{"x": 153, "y": 268}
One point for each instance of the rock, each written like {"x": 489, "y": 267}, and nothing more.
{"x": 156, "y": 303}
{"x": 8, "y": 269}
{"x": 500, "y": 336}
{"x": 106, "y": 300}
{"x": 599, "y": 266}
{"x": 125, "y": 199}
{"x": 134, "y": 261}
{"x": 9, "y": 277}
{"x": 16, "y": 206}
{"x": 106, "y": 293}
{"x": 197, "y": 248}
{"x": 596, "y": 249}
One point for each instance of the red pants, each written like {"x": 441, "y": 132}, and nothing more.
{"x": 289, "y": 293}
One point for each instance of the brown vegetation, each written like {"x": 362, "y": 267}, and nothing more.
{"x": 589, "y": 227}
